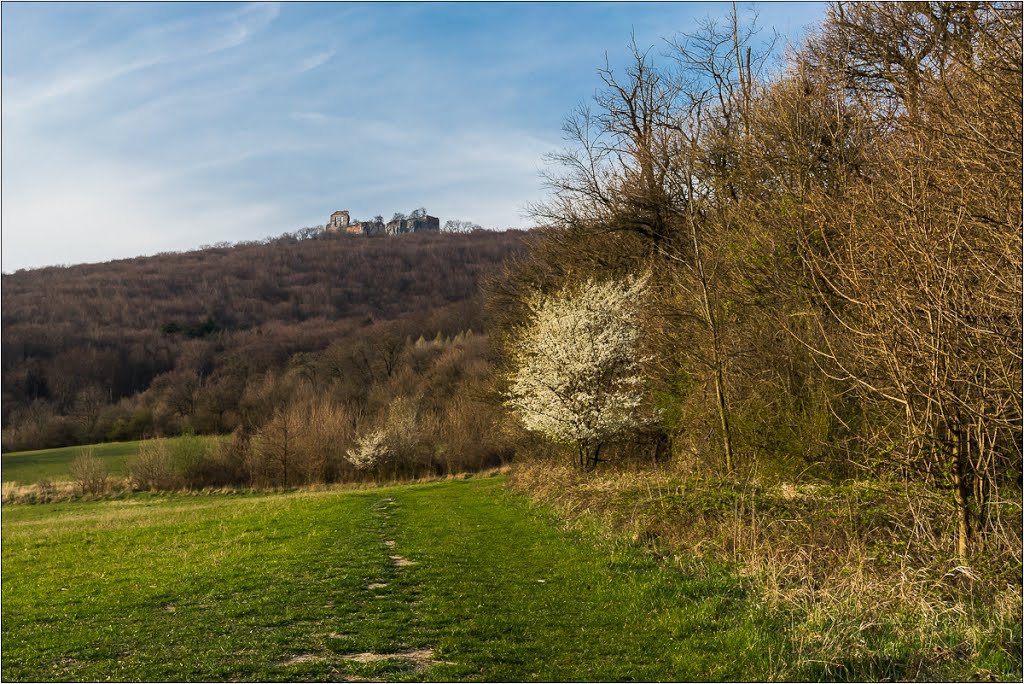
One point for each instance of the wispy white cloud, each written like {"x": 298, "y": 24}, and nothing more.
{"x": 313, "y": 61}
{"x": 316, "y": 117}
{"x": 91, "y": 208}
{"x": 245, "y": 23}
{"x": 69, "y": 168}
{"x": 23, "y": 96}
{"x": 150, "y": 47}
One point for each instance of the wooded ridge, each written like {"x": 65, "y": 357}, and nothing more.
{"x": 78, "y": 340}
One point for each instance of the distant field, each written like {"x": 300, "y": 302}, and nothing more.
{"x": 28, "y": 467}
{"x": 447, "y": 581}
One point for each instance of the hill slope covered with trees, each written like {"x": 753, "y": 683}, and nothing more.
{"x": 157, "y": 345}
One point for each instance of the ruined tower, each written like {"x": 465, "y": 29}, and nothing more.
{"x": 338, "y": 221}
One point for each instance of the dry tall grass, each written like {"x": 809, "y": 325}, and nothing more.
{"x": 864, "y": 574}
{"x": 44, "y": 491}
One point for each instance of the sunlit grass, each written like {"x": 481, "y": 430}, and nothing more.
{"x": 276, "y": 587}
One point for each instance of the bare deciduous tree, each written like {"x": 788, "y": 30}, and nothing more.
{"x": 919, "y": 261}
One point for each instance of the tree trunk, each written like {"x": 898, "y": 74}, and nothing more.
{"x": 961, "y": 494}
{"x": 723, "y": 414}
{"x": 716, "y": 347}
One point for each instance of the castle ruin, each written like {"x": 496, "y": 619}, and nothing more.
{"x": 340, "y": 222}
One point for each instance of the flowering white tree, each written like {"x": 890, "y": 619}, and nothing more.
{"x": 370, "y": 452}
{"x": 391, "y": 445}
{"x": 576, "y": 376}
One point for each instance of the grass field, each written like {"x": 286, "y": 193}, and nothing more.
{"x": 445, "y": 581}
{"x": 29, "y": 467}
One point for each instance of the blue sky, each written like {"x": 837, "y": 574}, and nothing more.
{"x": 133, "y": 129}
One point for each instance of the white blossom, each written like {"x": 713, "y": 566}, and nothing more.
{"x": 370, "y": 451}
{"x": 577, "y": 377}
{"x": 390, "y": 443}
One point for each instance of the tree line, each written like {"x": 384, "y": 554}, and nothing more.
{"x": 831, "y": 241}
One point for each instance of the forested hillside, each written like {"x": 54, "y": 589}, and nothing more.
{"x": 157, "y": 345}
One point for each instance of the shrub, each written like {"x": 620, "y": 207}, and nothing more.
{"x": 403, "y": 431}
{"x": 192, "y": 457}
{"x": 468, "y": 435}
{"x": 90, "y": 473}
{"x": 219, "y": 463}
{"x": 399, "y": 445}
{"x": 325, "y": 428}
{"x": 153, "y": 467}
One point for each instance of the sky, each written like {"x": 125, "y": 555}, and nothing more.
{"x": 138, "y": 128}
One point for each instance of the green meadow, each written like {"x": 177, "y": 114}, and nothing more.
{"x": 455, "y": 580}
{"x": 29, "y": 467}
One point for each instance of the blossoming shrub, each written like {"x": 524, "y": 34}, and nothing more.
{"x": 370, "y": 451}
{"x": 576, "y": 375}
